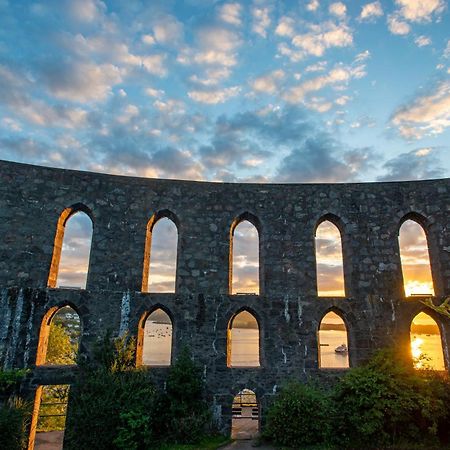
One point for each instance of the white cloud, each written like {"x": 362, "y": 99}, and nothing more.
{"x": 338, "y": 76}
{"x": 213, "y": 76}
{"x": 268, "y": 83}
{"x": 321, "y": 37}
{"x": 318, "y": 67}
{"x": 370, "y": 11}
{"x": 285, "y": 27}
{"x": 341, "y": 101}
{"x": 363, "y": 56}
{"x": 397, "y": 26}
{"x": 81, "y": 81}
{"x": 313, "y": 5}
{"x": 158, "y": 93}
{"x": 338, "y": 9}
{"x": 422, "y": 41}
{"x": 447, "y": 50}
{"x": 212, "y": 97}
{"x": 420, "y": 10}
{"x": 231, "y": 13}
{"x": 148, "y": 39}
{"x": 85, "y": 10}
{"x": 261, "y": 20}
{"x": 168, "y": 30}
{"x": 426, "y": 115}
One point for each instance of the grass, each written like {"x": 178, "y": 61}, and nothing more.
{"x": 208, "y": 443}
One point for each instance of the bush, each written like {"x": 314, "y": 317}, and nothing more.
{"x": 116, "y": 406}
{"x": 10, "y": 381}
{"x": 187, "y": 414}
{"x": 300, "y": 415}
{"x": 15, "y": 416}
{"x": 386, "y": 402}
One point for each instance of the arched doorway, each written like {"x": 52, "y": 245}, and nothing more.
{"x": 245, "y": 415}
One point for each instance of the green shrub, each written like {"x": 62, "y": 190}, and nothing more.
{"x": 386, "y": 402}
{"x": 116, "y": 406}
{"x": 15, "y": 416}
{"x": 102, "y": 404}
{"x": 10, "y": 381}
{"x": 300, "y": 415}
{"x": 187, "y": 415}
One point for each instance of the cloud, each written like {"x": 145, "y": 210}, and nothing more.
{"x": 85, "y": 10}
{"x": 427, "y": 114}
{"x": 212, "y": 97}
{"x": 313, "y": 5}
{"x": 316, "y": 160}
{"x": 371, "y": 11}
{"x": 261, "y": 20}
{"x": 422, "y": 41}
{"x": 340, "y": 75}
{"x": 231, "y": 13}
{"x": 317, "y": 40}
{"x": 447, "y": 50}
{"x": 79, "y": 81}
{"x": 216, "y": 46}
{"x": 268, "y": 83}
{"x": 285, "y": 27}
{"x": 338, "y": 9}
{"x": 397, "y": 26}
{"x": 419, "y": 164}
{"x": 148, "y": 39}
{"x": 168, "y": 30}
{"x": 420, "y": 10}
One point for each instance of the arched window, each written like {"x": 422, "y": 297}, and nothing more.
{"x": 333, "y": 343}
{"x": 160, "y": 258}
{"x": 244, "y": 259}
{"x": 243, "y": 341}
{"x": 426, "y": 343}
{"x": 329, "y": 260}
{"x": 59, "y": 337}
{"x": 71, "y": 250}
{"x": 416, "y": 269}
{"x": 156, "y": 340}
{"x": 245, "y": 419}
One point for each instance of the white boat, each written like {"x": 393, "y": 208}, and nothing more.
{"x": 341, "y": 349}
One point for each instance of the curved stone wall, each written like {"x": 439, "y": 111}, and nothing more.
{"x": 288, "y": 309}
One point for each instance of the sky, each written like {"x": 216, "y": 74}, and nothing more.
{"x": 261, "y": 90}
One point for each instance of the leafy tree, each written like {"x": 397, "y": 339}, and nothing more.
{"x": 443, "y": 308}
{"x": 60, "y": 349}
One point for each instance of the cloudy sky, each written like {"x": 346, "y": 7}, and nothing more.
{"x": 261, "y": 90}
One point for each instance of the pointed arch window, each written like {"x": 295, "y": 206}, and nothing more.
{"x": 244, "y": 258}
{"x": 59, "y": 337}
{"x": 155, "y": 340}
{"x": 160, "y": 256}
{"x": 333, "y": 342}
{"x": 415, "y": 260}
{"x": 329, "y": 260}
{"x": 71, "y": 250}
{"x": 243, "y": 341}
{"x": 426, "y": 343}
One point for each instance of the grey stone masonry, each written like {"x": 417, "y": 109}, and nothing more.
{"x": 288, "y": 309}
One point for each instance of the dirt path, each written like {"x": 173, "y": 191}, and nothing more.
{"x": 246, "y": 445}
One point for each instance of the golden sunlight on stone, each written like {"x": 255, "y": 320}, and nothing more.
{"x": 415, "y": 260}
{"x": 330, "y": 270}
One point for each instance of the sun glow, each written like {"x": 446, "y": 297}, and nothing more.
{"x": 416, "y": 351}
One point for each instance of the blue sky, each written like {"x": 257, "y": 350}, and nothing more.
{"x": 270, "y": 91}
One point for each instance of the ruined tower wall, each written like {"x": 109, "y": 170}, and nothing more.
{"x": 288, "y": 309}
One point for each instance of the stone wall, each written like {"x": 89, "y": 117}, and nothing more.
{"x": 288, "y": 309}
